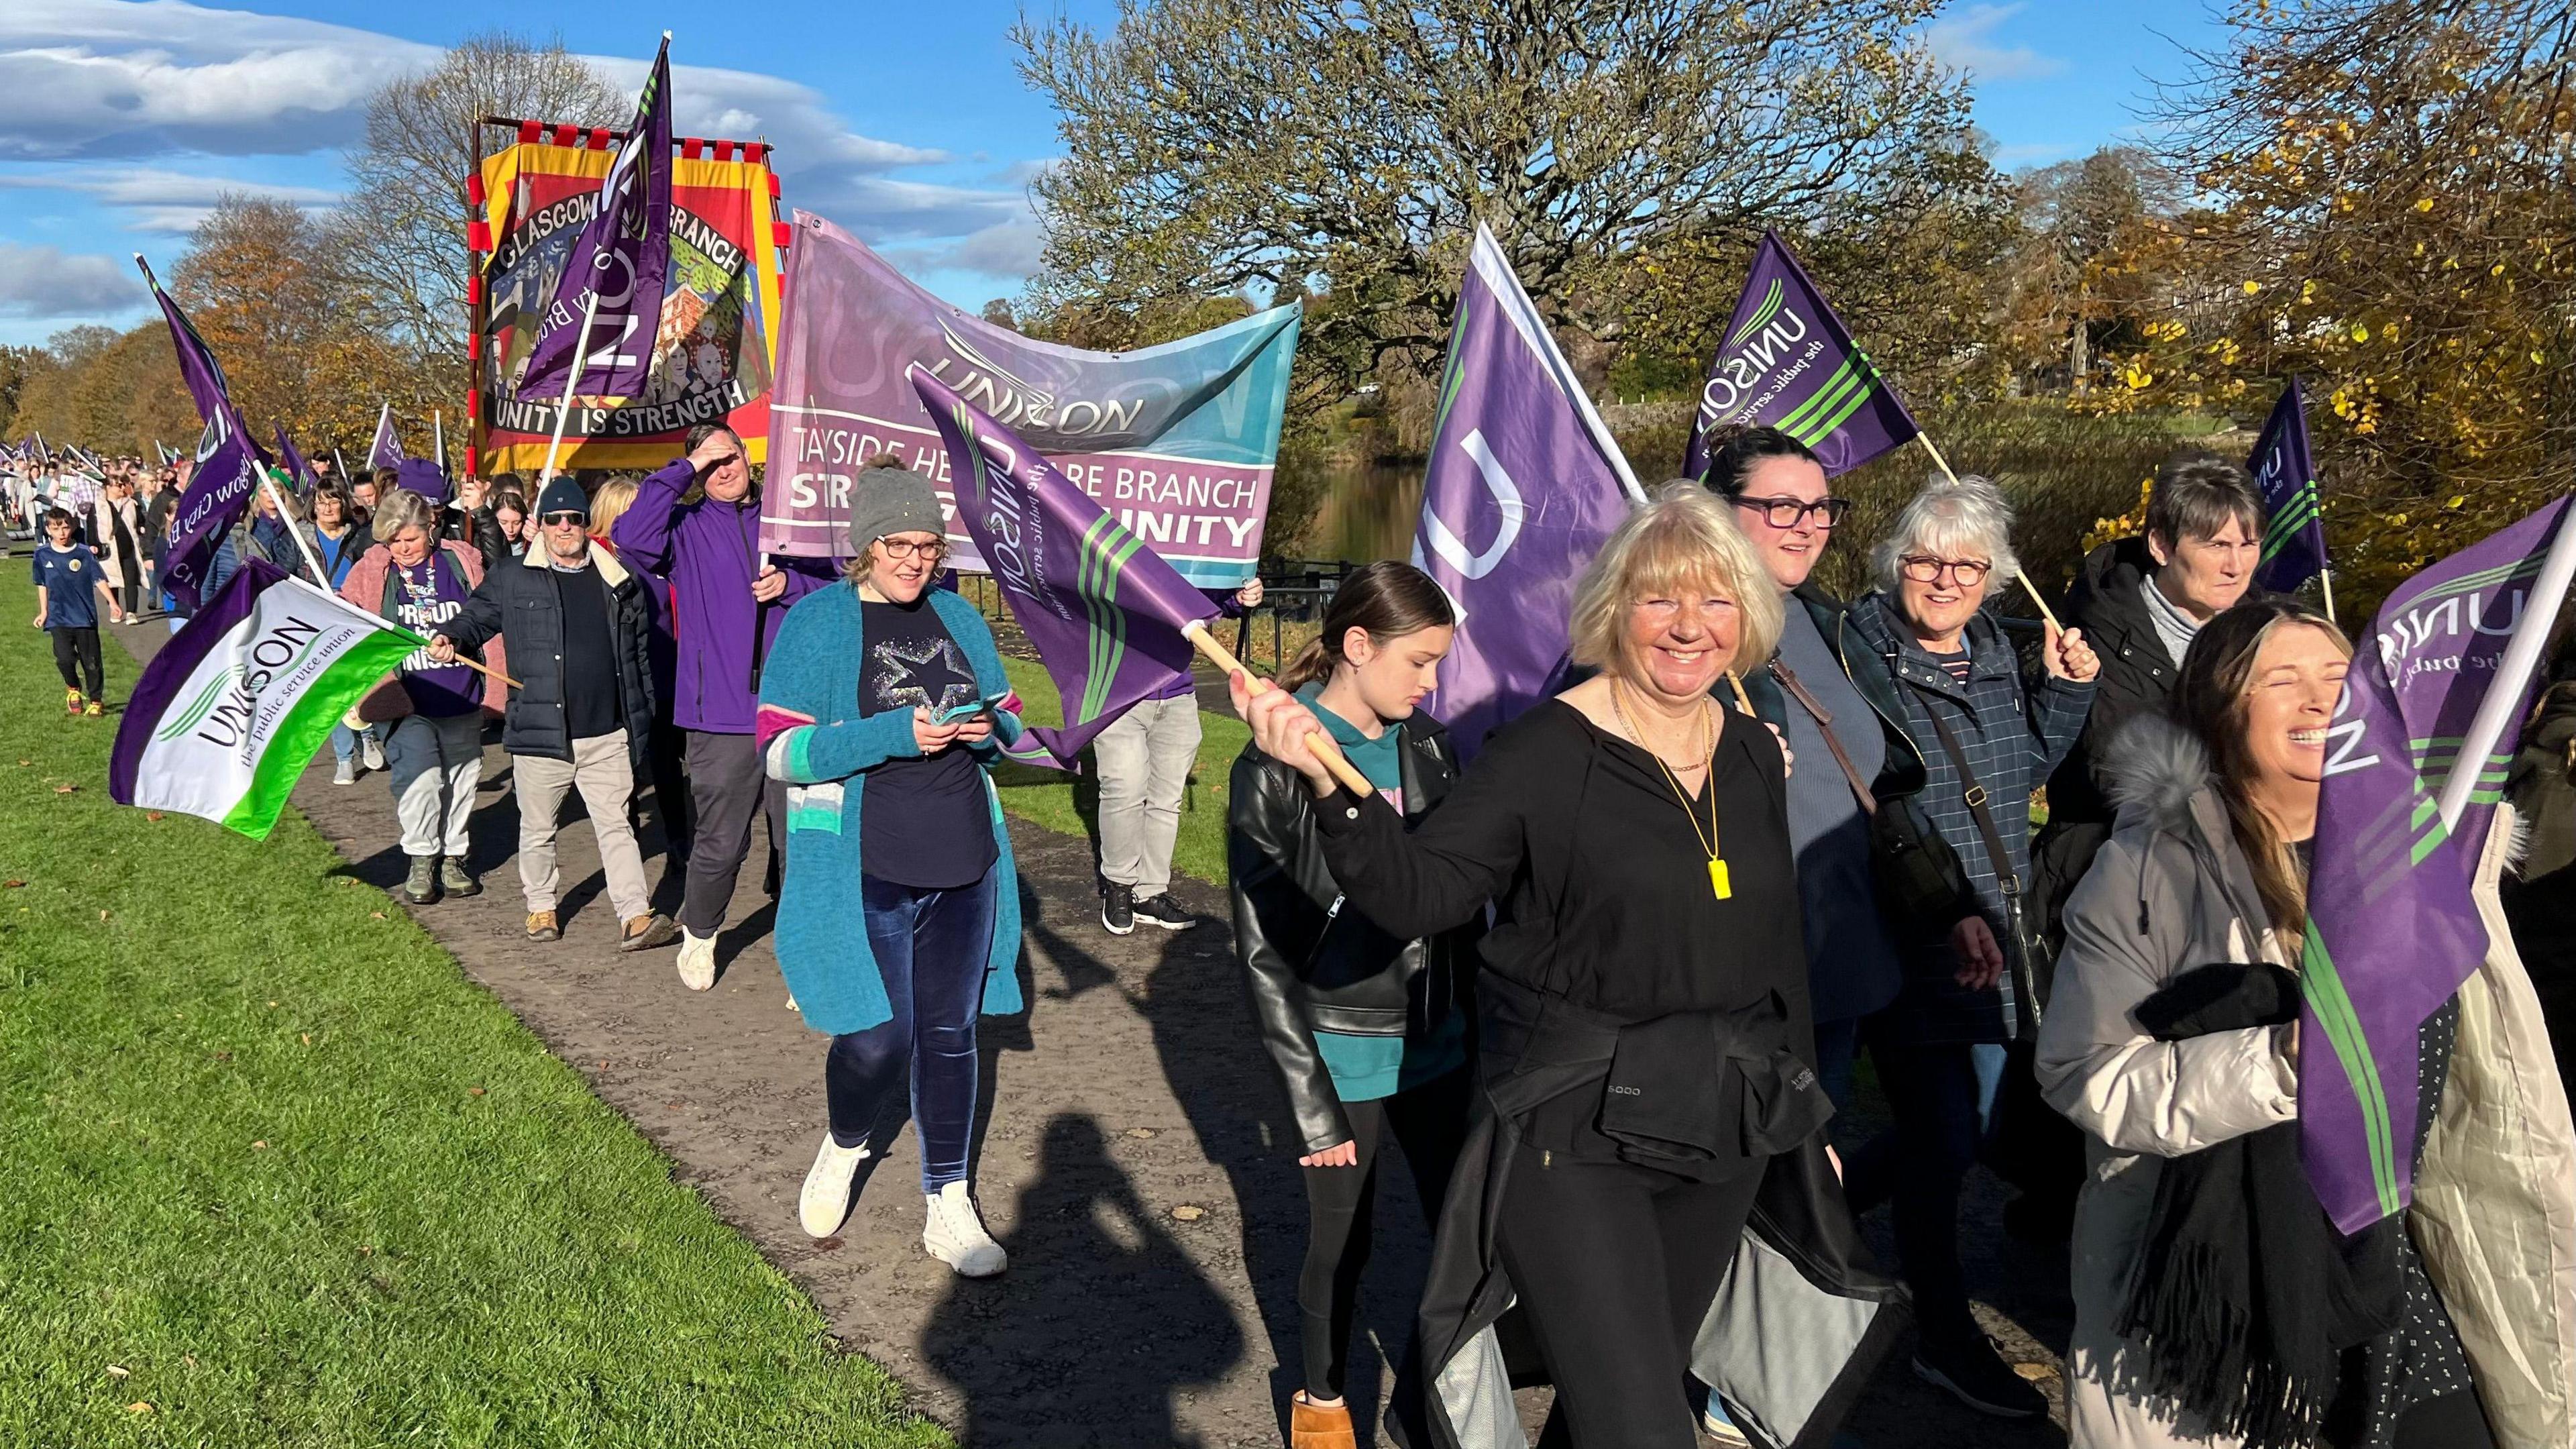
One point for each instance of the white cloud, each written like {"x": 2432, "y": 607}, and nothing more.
{"x": 141, "y": 80}
{"x": 1965, "y": 41}
{"x": 44, "y": 282}
{"x": 157, "y": 200}
{"x": 108, "y": 78}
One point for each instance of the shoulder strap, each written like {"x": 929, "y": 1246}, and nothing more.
{"x": 1975, "y": 795}
{"x": 1825, "y": 721}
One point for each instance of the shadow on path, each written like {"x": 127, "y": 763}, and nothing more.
{"x": 1028, "y": 1351}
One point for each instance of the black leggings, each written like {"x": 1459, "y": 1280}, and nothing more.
{"x": 1615, "y": 1266}
{"x": 76, "y": 655}
{"x": 1430, "y": 1121}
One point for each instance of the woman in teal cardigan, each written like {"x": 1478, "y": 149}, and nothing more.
{"x": 883, "y": 708}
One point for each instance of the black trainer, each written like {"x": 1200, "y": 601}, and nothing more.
{"x": 1159, "y": 909}
{"x": 1117, "y": 908}
{"x": 1974, "y": 1372}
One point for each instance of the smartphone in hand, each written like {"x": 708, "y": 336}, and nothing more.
{"x": 969, "y": 709}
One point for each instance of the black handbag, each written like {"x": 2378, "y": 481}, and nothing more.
{"x": 1921, "y": 883}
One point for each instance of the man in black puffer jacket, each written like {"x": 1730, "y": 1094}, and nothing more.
{"x": 575, "y": 622}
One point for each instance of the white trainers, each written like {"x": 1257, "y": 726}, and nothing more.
{"x": 371, "y": 752}
{"x": 824, "y": 1204}
{"x": 955, "y": 1235}
{"x": 697, "y": 960}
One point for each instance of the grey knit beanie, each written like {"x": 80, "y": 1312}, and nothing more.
{"x": 886, "y": 499}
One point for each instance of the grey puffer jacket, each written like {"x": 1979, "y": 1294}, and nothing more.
{"x": 2495, "y": 1192}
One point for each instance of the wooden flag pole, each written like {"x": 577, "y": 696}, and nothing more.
{"x": 1321, "y": 742}
{"x": 486, "y": 673}
{"x": 2027, "y": 586}
{"x": 2325, "y": 580}
{"x": 1743, "y": 701}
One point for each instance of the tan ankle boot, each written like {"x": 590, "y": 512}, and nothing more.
{"x": 1314, "y": 1427}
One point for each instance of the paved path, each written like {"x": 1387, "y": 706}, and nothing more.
{"x": 1133, "y": 1158}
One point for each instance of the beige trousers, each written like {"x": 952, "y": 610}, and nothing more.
{"x": 604, "y": 775}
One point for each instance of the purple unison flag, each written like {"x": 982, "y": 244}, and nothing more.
{"x": 228, "y": 463}
{"x": 2294, "y": 541}
{"x": 1104, "y": 611}
{"x": 620, "y": 258}
{"x": 296, "y": 467}
{"x": 1789, "y": 363}
{"x": 2392, "y": 931}
{"x": 1524, "y": 485}
{"x": 386, "y": 449}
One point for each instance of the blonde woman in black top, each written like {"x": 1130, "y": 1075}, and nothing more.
{"x": 1646, "y": 1048}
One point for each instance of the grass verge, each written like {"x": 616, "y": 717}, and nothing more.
{"x": 279, "y": 1175}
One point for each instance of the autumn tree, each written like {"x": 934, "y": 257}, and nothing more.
{"x": 2087, "y": 274}
{"x": 2395, "y": 223}
{"x": 1218, "y": 146}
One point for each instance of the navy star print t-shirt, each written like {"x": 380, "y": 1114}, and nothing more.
{"x": 924, "y": 823}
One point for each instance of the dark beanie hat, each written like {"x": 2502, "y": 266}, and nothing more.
{"x": 563, "y": 495}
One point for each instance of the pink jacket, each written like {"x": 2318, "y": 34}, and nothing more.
{"x": 365, "y": 587}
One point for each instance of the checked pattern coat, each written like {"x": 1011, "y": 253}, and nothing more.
{"x": 2013, "y": 734}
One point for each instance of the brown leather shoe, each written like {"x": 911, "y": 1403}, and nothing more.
{"x": 645, "y": 932}
{"x": 1314, "y": 1427}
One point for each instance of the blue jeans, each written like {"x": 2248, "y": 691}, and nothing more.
{"x": 344, "y": 741}
{"x": 931, "y": 947}
{"x": 1943, "y": 1098}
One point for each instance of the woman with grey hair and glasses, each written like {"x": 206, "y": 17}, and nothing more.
{"x": 1987, "y": 737}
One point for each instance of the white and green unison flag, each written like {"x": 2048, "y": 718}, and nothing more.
{"x": 233, "y": 708}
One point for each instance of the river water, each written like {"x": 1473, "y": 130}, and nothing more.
{"x": 1369, "y": 512}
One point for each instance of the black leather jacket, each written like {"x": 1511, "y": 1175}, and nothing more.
{"x": 1312, "y": 962}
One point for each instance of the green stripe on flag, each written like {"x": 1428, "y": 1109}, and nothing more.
{"x": 2323, "y": 987}
{"x": 179, "y": 722}
{"x": 1106, "y": 546}
{"x": 1844, "y": 380}
{"x": 1858, "y": 399}
{"x": 1770, "y": 307}
{"x": 308, "y": 722}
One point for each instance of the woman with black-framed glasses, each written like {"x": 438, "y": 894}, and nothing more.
{"x": 1986, "y": 737}
{"x": 882, "y": 713}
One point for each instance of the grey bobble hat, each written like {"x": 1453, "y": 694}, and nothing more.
{"x": 886, "y": 499}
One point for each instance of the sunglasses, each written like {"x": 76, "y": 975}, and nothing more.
{"x": 558, "y": 520}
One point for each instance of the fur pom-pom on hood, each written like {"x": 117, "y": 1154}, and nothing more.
{"x": 2155, "y": 768}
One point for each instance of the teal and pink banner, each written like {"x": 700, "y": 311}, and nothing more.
{"x": 2392, "y": 931}
{"x": 1104, "y": 610}
{"x": 1789, "y": 363}
{"x": 1177, "y": 442}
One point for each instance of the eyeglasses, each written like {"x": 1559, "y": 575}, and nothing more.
{"x": 900, "y": 549}
{"x": 1923, "y": 568}
{"x": 1790, "y": 512}
{"x": 557, "y": 520}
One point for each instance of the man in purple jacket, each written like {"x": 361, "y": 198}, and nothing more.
{"x": 696, "y": 523}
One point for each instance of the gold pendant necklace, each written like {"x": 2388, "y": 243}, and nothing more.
{"x": 1719, "y": 882}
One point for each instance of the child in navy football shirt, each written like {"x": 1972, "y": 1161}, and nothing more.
{"x": 70, "y": 585}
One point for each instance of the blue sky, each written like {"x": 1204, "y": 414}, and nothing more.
{"x": 121, "y": 122}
